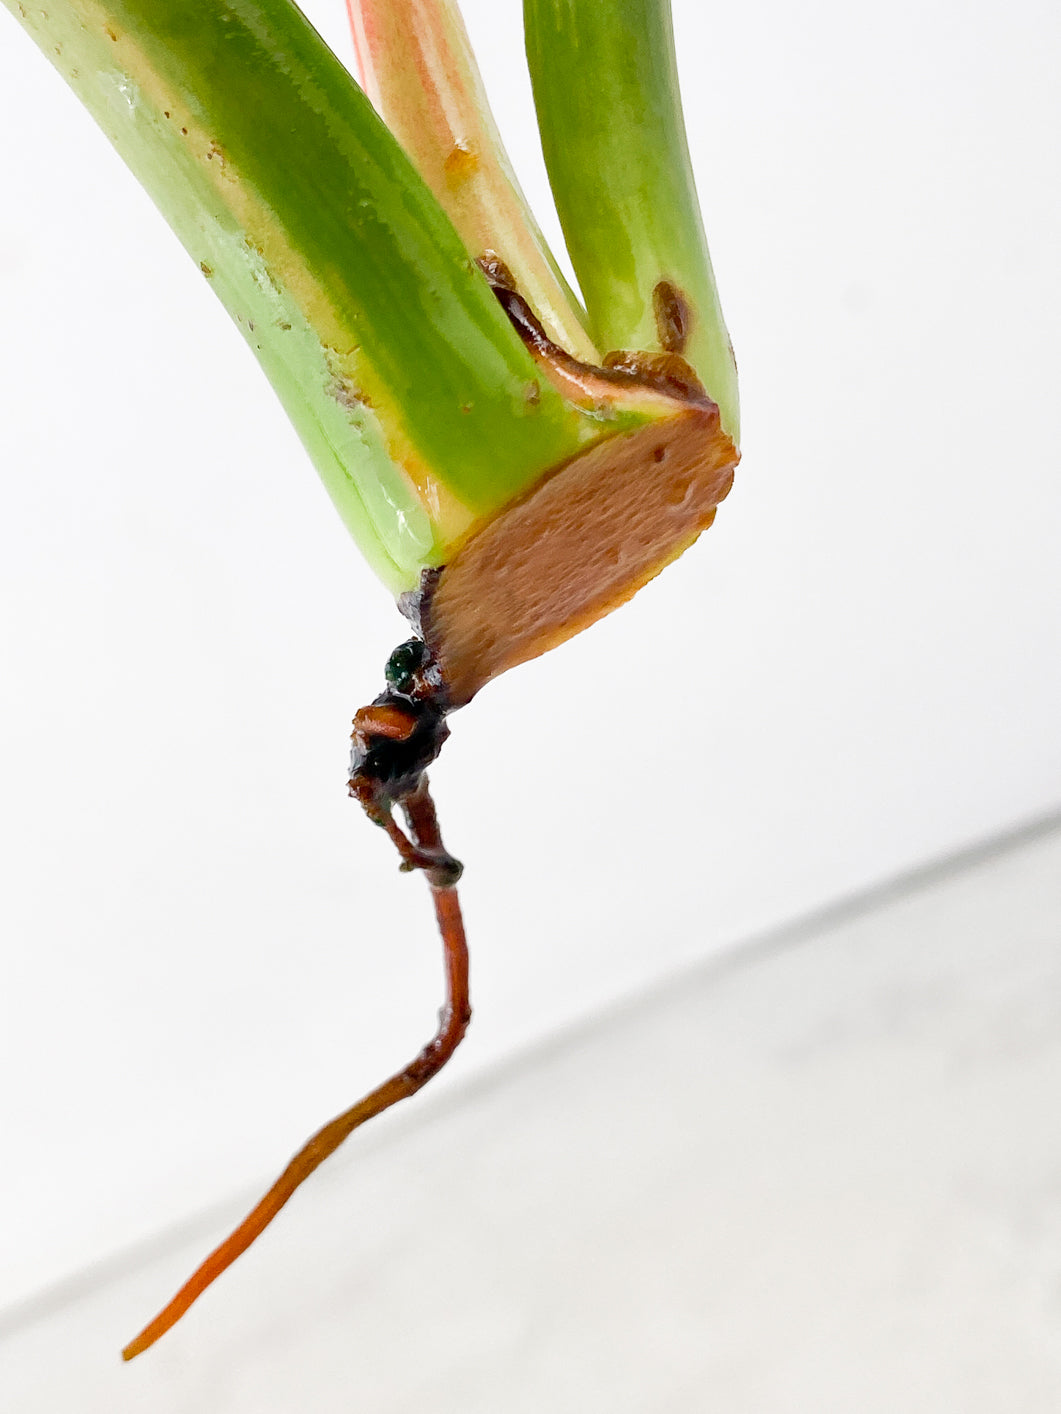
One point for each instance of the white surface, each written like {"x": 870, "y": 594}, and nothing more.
{"x": 821, "y": 1176}
{"x": 206, "y": 951}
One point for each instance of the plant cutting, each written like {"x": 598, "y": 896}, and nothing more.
{"x": 513, "y": 462}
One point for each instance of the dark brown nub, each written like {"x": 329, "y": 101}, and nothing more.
{"x": 579, "y": 544}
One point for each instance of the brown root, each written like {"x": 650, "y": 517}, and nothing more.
{"x": 424, "y": 850}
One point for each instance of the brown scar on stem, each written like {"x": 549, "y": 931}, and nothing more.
{"x": 673, "y": 317}
{"x": 346, "y": 396}
{"x": 588, "y": 384}
{"x": 669, "y": 372}
{"x": 496, "y": 271}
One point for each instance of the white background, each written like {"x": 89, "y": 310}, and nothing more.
{"x": 812, "y": 1176}
{"x": 206, "y": 951}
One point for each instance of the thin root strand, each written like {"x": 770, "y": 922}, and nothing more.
{"x": 426, "y": 853}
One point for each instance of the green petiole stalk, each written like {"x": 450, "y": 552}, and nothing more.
{"x": 417, "y": 66}
{"x": 351, "y": 271}
{"x": 417, "y": 401}
{"x": 606, "y": 89}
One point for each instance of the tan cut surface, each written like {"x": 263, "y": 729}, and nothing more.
{"x": 580, "y": 543}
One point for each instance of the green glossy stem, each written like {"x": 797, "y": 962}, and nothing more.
{"x": 416, "y": 399}
{"x": 606, "y": 90}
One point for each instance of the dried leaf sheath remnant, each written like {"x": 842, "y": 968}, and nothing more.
{"x": 453, "y": 1022}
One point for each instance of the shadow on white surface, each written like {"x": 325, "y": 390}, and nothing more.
{"x": 823, "y": 1174}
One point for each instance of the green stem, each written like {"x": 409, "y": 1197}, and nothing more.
{"x": 418, "y": 402}
{"x": 606, "y": 90}
{"x": 417, "y": 66}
